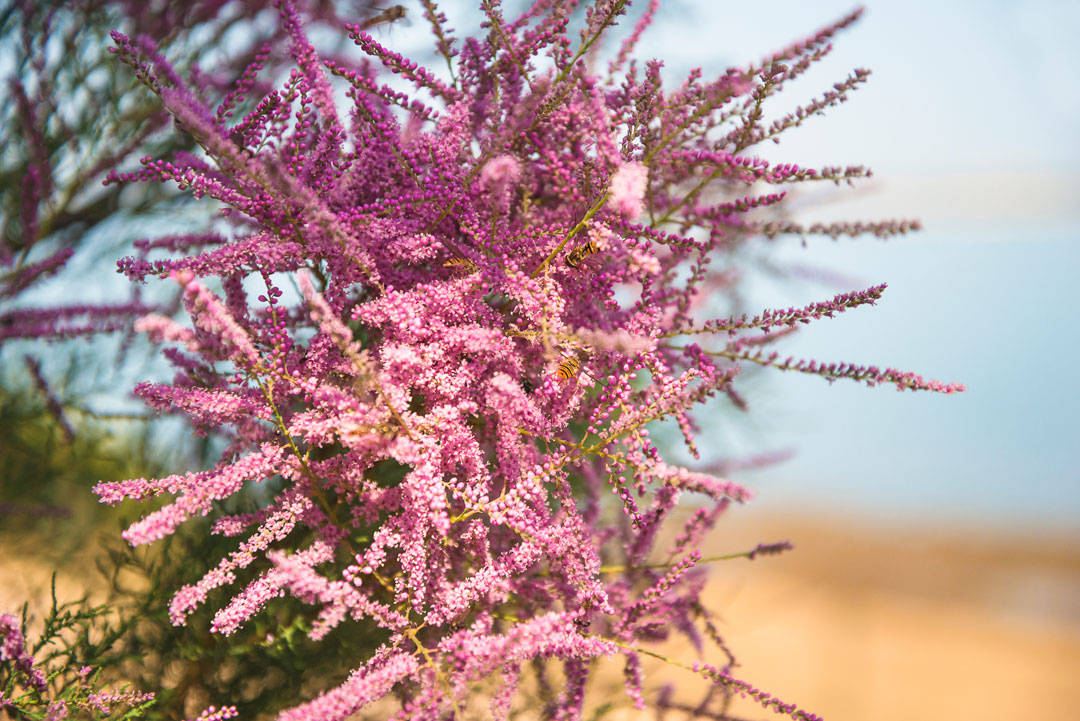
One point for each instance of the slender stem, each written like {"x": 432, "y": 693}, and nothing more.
{"x": 496, "y": 25}
{"x": 573, "y": 231}
{"x": 710, "y": 559}
{"x": 646, "y": 652}
{"x": 411, "y": 633}
{"x": 688, "y": 197}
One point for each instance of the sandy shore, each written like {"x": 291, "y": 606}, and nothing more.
{"x": 862, "y": 624}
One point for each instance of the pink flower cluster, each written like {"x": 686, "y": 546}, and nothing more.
{"x": 13, "y": 650}
{"x": 491, "y": 277}
{"x": 37, "y": 691}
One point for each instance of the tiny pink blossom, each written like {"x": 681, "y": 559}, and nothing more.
{"x": 13, "y": 648}
{"x": 627, "y": 189}
{"x": 501, "y": 170}
{"x": 213, "y": 713}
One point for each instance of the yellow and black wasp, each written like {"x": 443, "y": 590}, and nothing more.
{"x": 576, "y": 256}
{"x": 568, "y": 368}
{"x": 463, "y": 265}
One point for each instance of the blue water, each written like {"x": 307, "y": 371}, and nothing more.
{"x": 994, "y": 310}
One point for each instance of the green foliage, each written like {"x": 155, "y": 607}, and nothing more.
{"x": 48, "y": 510}
{"x": 267, "y": 665}
{"x": 72, "y": 650}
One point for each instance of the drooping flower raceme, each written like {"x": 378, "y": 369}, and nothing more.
{"x": 498, "y": 283}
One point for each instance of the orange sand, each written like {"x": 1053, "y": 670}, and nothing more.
{"x": 859, "y": 624}
{"x": 863, "y": 625}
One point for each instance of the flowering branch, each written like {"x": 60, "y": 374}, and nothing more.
{"x": 476, "y": 354}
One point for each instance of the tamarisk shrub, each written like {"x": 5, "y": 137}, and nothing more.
{"x": 498, "y": 277}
